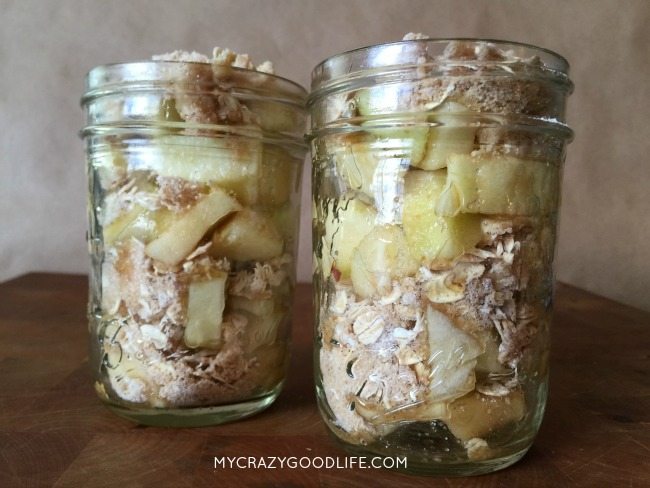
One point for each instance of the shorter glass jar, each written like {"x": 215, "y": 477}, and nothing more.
{"x": 194, "y": 175}
{"x": 436, "y": 173}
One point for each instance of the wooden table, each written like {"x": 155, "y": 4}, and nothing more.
{"x": 53, "y": 430}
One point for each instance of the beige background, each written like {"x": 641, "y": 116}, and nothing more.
{"x": 47, "y": 46}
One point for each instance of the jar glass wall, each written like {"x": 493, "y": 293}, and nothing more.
{"x": 194, "y": 177}
{"x": 436, "y": 179}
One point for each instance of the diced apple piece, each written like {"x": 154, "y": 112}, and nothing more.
{"x": 451, "y": 137}
{"x": 381, "y": 256}
{"x": 231, "y": 163}
{"x": 404, "y": 142}
{"x": 355, "y": 161}
{"x": 167, "y": 111}
{"x": 431, "y": 237}
{"x": 140, "y": 223}
{"x": 247, "y": 236}
{"x": 477, "y": 415}
{"x": 205, "y": 305}
{"x": 262, "y": 330}
{"x": 408, "y": 144}
{"x": 184, "y": 233}
{"x": 109, "y": 166}
{"x": 286, "y": 220}
{"x": 420, "y": 411}
{"x": 425, "y": 184}
{"x": 452, "y": 358}
{"x": 260, "y": 307}
{"x": 374, "y": 163}
{"x": 375, "y": 99}
{"x": 488, "y": 362}
{"x": 113, "y": 231}
{"x": 379, "y": 99}
{"x": 368, "y": 164}
{"x": 277, "y": 116}
{"x": 278, "y": 176}
{"x": 345, "y": 226}
{"x": 500, "y": 185}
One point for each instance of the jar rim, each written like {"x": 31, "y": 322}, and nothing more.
{"x": 349, "y": 64}
{"x": 105, "y": 77}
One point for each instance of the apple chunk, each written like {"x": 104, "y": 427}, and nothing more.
{"x": 285, "y": 218}
{"x": 139, "y": 222}
{"x": 345, "y": 226}
{"x": 403, "y": 142}
{"x": 378, "y": 99}
{"x": 205, "y": 305}
{"x": 450, "y": 137}
{"x": 185, "y": 232}
{"x": 278, "y": 176}
{"x": 452, "y": 357}
{"x": 109, "y": 166}
{"x": 380, "y": 257}
{"x": 355, "y": 161}
{"x": 500, "y": 185}
{"x": 230, "y": 163}
{"x": 432, "y": 237}
{"x": 247, "y": 236}
{"x": 406, "y": 142}
{"x": 477, "y": 415}
{"x": 373, "y": 163}
{"x": 277, "y": 116}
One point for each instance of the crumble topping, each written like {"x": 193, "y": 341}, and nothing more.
{"x": 177, "y": 194}
{"x": 220, "y": 57}
{"x": 412, "y": 36}
{"x": 210, "y": 102}
{"x": 182, "y": 56}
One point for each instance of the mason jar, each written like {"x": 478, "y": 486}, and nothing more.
{"x": 436, "y": 182}
{"x": 194, "y": 174}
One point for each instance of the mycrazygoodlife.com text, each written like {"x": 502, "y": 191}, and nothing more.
{"x": 305, "y": 462}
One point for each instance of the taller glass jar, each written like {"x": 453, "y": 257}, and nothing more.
{"x": 436, "y": 173}
{"x": 194, "y": 174}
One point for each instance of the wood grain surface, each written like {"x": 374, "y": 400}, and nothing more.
{"x": 54, "y": 431}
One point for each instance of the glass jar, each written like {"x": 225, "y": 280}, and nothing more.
{"x": 436, "y": 173}
{"x": 194, "y": 175}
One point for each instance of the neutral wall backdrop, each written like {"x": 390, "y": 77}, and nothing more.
{"x": 47, "y": 46}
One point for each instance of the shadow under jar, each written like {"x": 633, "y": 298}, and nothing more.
{"x": 436, "y": 174}
{"x": 194, "y": 174}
